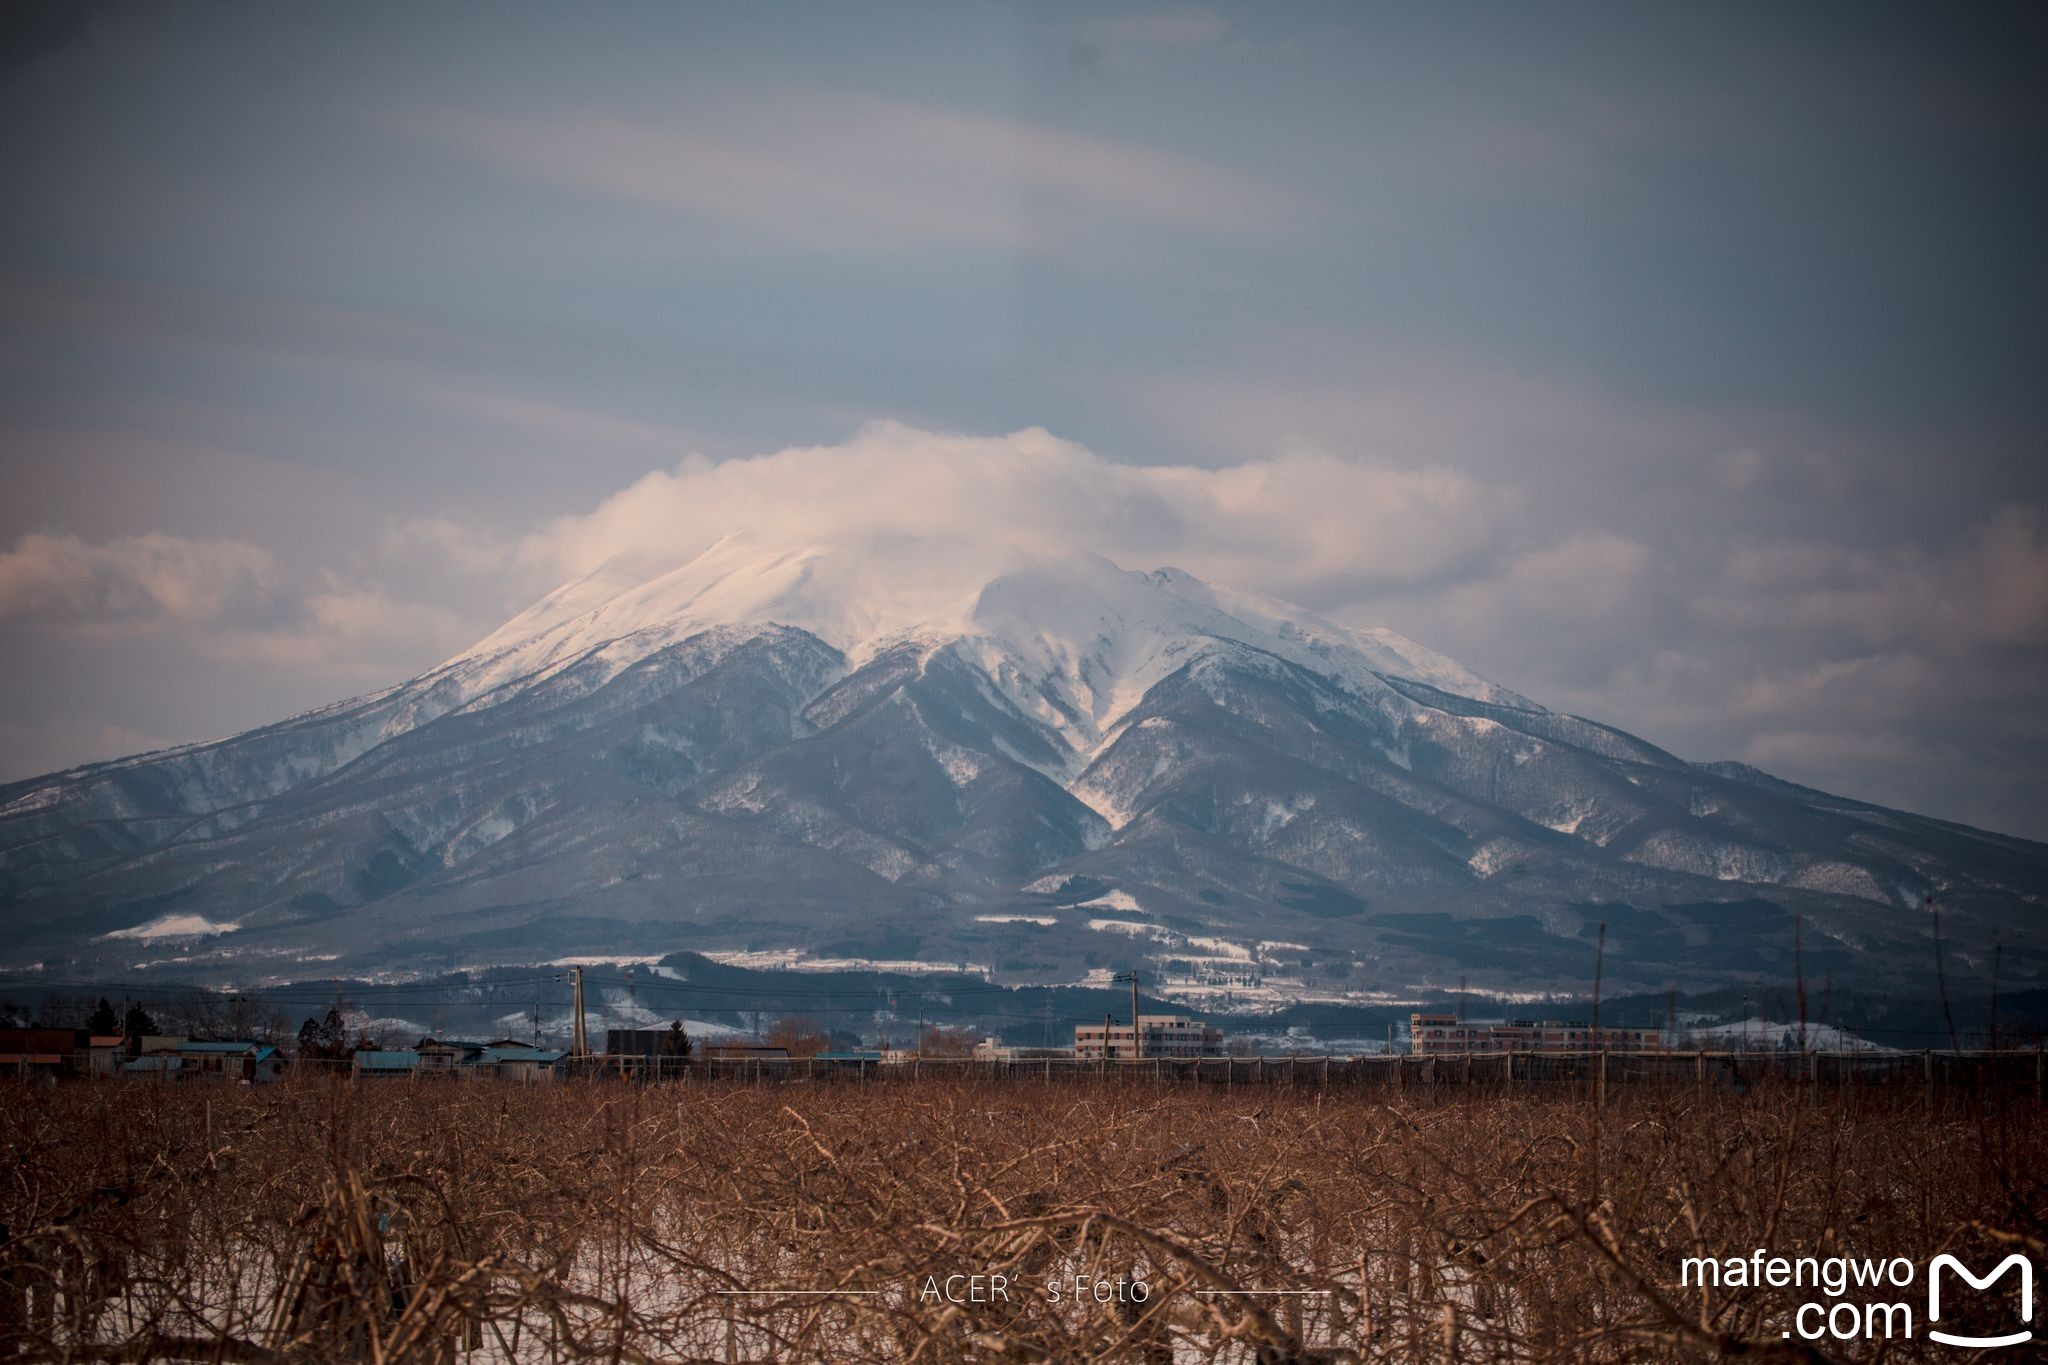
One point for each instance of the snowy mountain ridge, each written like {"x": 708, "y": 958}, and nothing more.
{"x": 1073, "y": 640}
{"x": 1045, "y": 763}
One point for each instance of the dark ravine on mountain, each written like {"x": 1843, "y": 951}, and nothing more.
{"x": 1064, "y": 768}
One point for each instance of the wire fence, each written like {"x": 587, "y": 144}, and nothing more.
{"x": 2012, "y": 1070}
{"x": 2021, "y": 1072}
{"x": 2007, "y": 1069}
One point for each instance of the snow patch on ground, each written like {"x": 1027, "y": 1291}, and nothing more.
{"x": 891, "y": 863}
{"x": 1124, "y": 926}
{"x": 1221, "y": 947}
{"x": 1102, "y": 802}
{"x": 1280, "y": 814}
{"x": 1569, "y": 813}
{"x": 176, "y": 926}
{"x": 1015, "y": 919}
{"x": 736, "y": 797}
{"x": 1765, "y": 1035}
{"x": 798, "y": 960}
{"x": 961, "y": 766}
{"x": 389, "y": 1031}
{"x": 1491, "y": 856}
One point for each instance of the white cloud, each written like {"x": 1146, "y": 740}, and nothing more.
{"x": 152, "y": 579}
{"x": 222, "y": 600}
{"x": 1299, "y": 523}
{"x": 361, "y": 636}
{"x": 1559, "y": 616}
{"x": 445, "y": 544}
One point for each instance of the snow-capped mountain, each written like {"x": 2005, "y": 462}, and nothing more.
{"x": 1056, "y": 768}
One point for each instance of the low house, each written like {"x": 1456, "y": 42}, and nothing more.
{"x": 241, "y": 1059}
{"x": 238, "y": 1059}
{"x": 384, "y": 1065}
{"x": 154, "y": 1066}
{"x": 990, "y": 1050}
{"x": 516, "y": 1062}
{"x": 446, "y": 1056}
{"x": 44, "y": 1053}
{"x": 647, "y": 1052}
{"x": 109, "y": 1050}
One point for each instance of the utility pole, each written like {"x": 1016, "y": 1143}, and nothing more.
{"x": 1464, "y": 1034}
{"x": 1137, "y": 1032}
{"x": 580, "y": 1046}
{"x": 1137, "y": 1035}
{"x": 920, "y": 1028}
{"x": 536, "y": 1023}
{"x": 1137, "y": 1038}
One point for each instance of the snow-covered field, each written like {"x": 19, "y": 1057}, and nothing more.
{"x": 800, "y": 960}
{"x": 176, "y": 926}
{"x": 1769, "y": 1035}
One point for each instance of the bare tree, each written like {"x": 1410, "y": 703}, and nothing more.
{"x": 800, "y": 1034}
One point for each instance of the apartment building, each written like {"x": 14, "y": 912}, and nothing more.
{"x": 1438, "y": 1034}
{"x": 1160, "y": 1035}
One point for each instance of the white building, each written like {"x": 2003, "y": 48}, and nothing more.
{"x": 1163, "y": 1035}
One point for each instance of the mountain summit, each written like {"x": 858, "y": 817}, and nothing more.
{"x": 1060, "y": 767}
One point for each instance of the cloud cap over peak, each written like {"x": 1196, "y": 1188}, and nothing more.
{"x": 1302, "y": 523}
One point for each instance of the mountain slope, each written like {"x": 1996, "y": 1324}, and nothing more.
{"x": 1064, "y": 768}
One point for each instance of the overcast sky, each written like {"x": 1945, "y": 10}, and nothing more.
{"x": 1679, "y": 366}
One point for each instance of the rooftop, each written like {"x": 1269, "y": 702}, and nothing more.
{"x": 539, "y": 1055}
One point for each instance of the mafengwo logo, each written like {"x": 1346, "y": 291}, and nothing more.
{"x": 1852, "y": 1309}
{"x": 2013, "y": 1262}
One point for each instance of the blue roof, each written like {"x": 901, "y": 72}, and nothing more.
{"x": 387, "y": 1061}
{"x": 543, "y": 1056}
{"x": 261, "y": 1050}
{"x": 849, "y": 1056}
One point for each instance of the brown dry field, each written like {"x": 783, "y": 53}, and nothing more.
{"x": 415, "y": 1221}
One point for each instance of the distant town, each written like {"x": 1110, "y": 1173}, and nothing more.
{"x": 104, "y": 1049}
